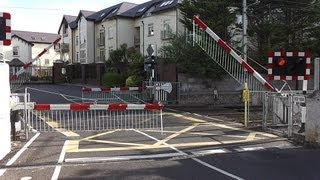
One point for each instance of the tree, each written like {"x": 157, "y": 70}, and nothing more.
{"x": 190, "y": 59}
{"x": 217, "y": 14}
{"x": 283, "y": 25}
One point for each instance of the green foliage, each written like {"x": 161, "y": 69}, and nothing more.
{"x": 191, "y": 59}
{"x": 215, "y": 13}
{"x": 134, "y": 80}
{"x": 112, "y": 80}
{"x": 126, "y": 61}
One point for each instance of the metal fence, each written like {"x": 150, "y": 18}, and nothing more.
{"x": 94, "y": 117}
{"x": 116, "y": 95}
{"x": 282, "y": 112}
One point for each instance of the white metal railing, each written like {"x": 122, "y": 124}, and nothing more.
{"x": 94, "y": 117}
{"x": 227, "y": 58}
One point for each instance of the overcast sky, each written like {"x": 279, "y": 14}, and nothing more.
{"x": 46, "y": 15}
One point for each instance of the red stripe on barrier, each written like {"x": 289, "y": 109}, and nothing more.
{"x": 283, "y": 54}
{"x": 308, "y": 66}
{"x": 307, "y": 77}
{"x": 85, "y": 89}
{"x": 142, "y": 88}
{"x": 124, "y": 88}
{"x": 6, "y": 15}
{"x": 270, "y": 66}
{"x": 44, "y": 51}
{"x": 271, "y": 77}
{"x": 200, "y": 23}
{"x": 79, "y": 107}
{"x": 57, "y": 40}
{"x": 153, "y": 106}
{"x": 271, "y": 54}
{"x": 224, "y": 45}
{"x": 268, "y": 86}
{"x": 105, "y": 89}
{"x": 27, "y": 65}
{"x": 294, "y": 77}
{"x": 295, "y": 54}
{"x": 7, "y": 29}
{"x": 13, "y": 78}
{"x": 118, "y": 107}
{"x": 42, "y": 107}
{"x": 247, "y": 67}
{"x": 307, "y": 54}
{"x": 7, "y": 42}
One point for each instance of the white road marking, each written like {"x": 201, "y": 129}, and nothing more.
{"x": 16, "y": 156}
{"x": 195, "y": 159}
{"x": 123, "y": 158}
{"x": 210, "y": 151}
{"x": 244, "y": 149}
{"x": 57, "y": 170}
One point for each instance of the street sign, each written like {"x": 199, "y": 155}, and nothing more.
{"x": 150, "y": 50}
{"x": 299, "y": 99}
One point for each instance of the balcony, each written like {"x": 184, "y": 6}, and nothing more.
{"x": 100, "y": 59}
{"x": 166, "y": 34}
{"x": 101, "y": 41}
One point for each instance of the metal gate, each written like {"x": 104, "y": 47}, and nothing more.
{"x": 94, "y": 117}
{"x": 282, "y": 112}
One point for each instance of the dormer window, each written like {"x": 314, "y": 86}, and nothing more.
{"x": 141, "y": 9}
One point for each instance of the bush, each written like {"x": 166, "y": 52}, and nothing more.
{"x": 133, "y": 80}
{"x": 112, "y": 80}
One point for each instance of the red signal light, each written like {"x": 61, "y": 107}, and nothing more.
{"x": 281, "y": 62}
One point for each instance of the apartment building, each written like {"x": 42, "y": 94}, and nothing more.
{"x": 91, "y": 36}
{"x": 95, "y": 34}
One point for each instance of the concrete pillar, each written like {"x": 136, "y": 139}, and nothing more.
{"x": 5, "y": 127}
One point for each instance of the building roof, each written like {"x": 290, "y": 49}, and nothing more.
{"x": 16, "y": 62}
{"x": 86, "y": 14}
{"x": 165, "y": 5}
{"x": 36, "y": 37}
{"x": 68, "y": 19}
{"x": 140, "y": 9}
{"x": 112, "y": 11}
{"x": 13, "y": 35}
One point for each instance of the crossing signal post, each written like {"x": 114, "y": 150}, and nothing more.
{"x": 150, "y": 61}
{"x": 291, "y": 66}
{"x": 5, "y": 29}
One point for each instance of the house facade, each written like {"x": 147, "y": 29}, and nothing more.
{"x": 91, "y": 36}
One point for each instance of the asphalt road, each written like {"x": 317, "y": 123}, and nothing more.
{"x": 190, "y": 147}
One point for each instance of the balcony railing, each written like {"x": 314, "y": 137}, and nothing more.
{"x": 166, "y": 34}
{"x": 100, "y": 59}
{"x": 101, "y": 41}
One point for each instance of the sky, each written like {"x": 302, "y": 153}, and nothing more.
{"x": 46, "y": 15}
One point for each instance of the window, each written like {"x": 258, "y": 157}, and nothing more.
{"x": 150, "y": 29}
{"x": 15, "y": 51}
{"x": 77, "y": 57}
{"x": 101, "y": 37}
{"x": 83, "y": 54}
{"x": 77, "y": 40}
{"x": 46, "y": 61}
{"x": 110, "y": 33}
{"x": 102, "y": 55}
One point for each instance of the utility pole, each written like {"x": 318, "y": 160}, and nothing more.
{"x": 244, "y": 29}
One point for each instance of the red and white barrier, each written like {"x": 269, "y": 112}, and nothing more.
{"x": 14, "y": 77}
{"x": 7, "y": 29}
{"x": 229, "y": 50}
{"x": 107, "y": 107}
{"x": 115, "y": 89}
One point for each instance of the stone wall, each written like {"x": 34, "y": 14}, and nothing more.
{"x": 312, "y": 133}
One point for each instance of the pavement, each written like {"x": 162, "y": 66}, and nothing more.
{"x": 191, "y": 146}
